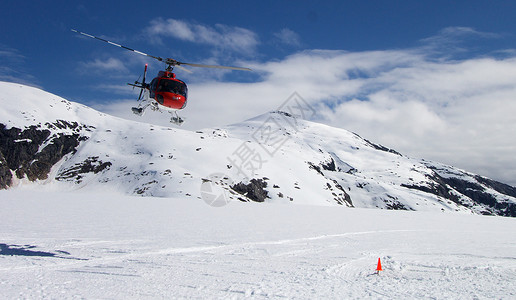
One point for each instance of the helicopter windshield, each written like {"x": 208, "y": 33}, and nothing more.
{"x": 172, "y": 86}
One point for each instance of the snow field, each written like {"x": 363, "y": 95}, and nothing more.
{"x": 105, "y": 245}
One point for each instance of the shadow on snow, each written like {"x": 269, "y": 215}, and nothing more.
{"x": 26, "y": 250}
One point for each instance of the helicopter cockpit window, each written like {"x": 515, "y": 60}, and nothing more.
{"x": 172, "y": 86}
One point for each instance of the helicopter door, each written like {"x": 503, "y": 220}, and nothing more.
{"x": 152, "y": 89}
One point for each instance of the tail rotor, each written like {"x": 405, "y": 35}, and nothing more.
{"x": 141, "y": 85}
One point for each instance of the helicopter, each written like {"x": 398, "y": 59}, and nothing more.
{"x": 165, "y": 91}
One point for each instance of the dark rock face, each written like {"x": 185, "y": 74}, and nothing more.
{"x": 382, "y": 148}
{"x": 315, "y": 167}
{"x": 254, "y": 190}
{"x": 497, "y": 186}
{"x": 392, "y": 203}
{"x": 329, "y": 165}
{"x": 340, "y": 196}
{"x": 436, "y": 186}
{"x": 5, "y": 173}
{"x": 19, "y": 146}
{"x": 476, "y": 191}
{"x": 32, "y": 151}
{"x": 90, "y": 165}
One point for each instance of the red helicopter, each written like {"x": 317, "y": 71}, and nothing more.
{"x": 165, "y": 91}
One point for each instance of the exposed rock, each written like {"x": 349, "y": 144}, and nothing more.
{"x": 315, "y": 167}
{"x": 254, "y": 190}
{"x": 339, "y": 194}
{"x": 382, "y": 148}
{"x": 284, "y": 113}
{"x": 497, "y": 186}
{"x": 90, "y": 165}
{"x": 476, "y": 191}
{"x": 20, "y": 146}
{"x": 342, "y": 197}
{"x": 50, "y": 155}
{"x": 145, "y": 187}
{"x": 33, "y": 151}
{"x": 436, "y": 186}
{"x": 5, "y": 173}
{"x": 329, "y": 165}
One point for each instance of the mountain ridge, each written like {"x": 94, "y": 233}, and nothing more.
{"x": 49, "y": 142}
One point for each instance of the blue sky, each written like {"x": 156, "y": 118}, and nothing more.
{"x": 432, "y": 79}
{"x": 47, "y": 54}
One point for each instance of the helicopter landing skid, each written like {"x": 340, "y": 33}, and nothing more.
{"x": 137, "y": 111}
{"x": 177, "y": 120}
{"x": 143, "y": 105}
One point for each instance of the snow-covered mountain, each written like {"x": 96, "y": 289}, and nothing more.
{"x": 51, "y": 143}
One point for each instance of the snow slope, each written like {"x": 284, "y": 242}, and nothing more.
{"x": 274, "y": 157}
{"x": 101, "y": 245}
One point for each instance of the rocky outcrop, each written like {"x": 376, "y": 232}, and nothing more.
{"x": 337, "y": 191}
{"x": 5, "y": 173}
{"x": 31, "y": 152}
{"x": 254, "y": 190}
{"x": 475, "y": 189}
{"x": 77, "y": 172}
{"x": 478, "y": 192}
{"x": 381, "y": 147}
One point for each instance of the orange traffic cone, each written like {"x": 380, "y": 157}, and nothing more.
{"x": 379, "y": 266}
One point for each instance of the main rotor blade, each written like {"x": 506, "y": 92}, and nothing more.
{"x": 169, "y": 61}
{"x": 213, "y": 66}
{"x": 118, "y": 45}
{"x": 184, "y": 69}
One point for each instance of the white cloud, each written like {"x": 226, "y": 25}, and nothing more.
{"x": 224, "y": 37}
{"x": 460, "y": 112}
{"x": 450, "y": 39}
{"x": 118, "y": 89}
{"x": 10, "y": 54}
{"x": 288, "y": 37}
{"x": 108, "y": 65}
{"x": 171, "y": 27}
{"x": 12, "y": 67}
{"x": 455, "y": 32}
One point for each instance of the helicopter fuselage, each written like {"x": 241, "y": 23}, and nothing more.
{"x": 168, "y": 91}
